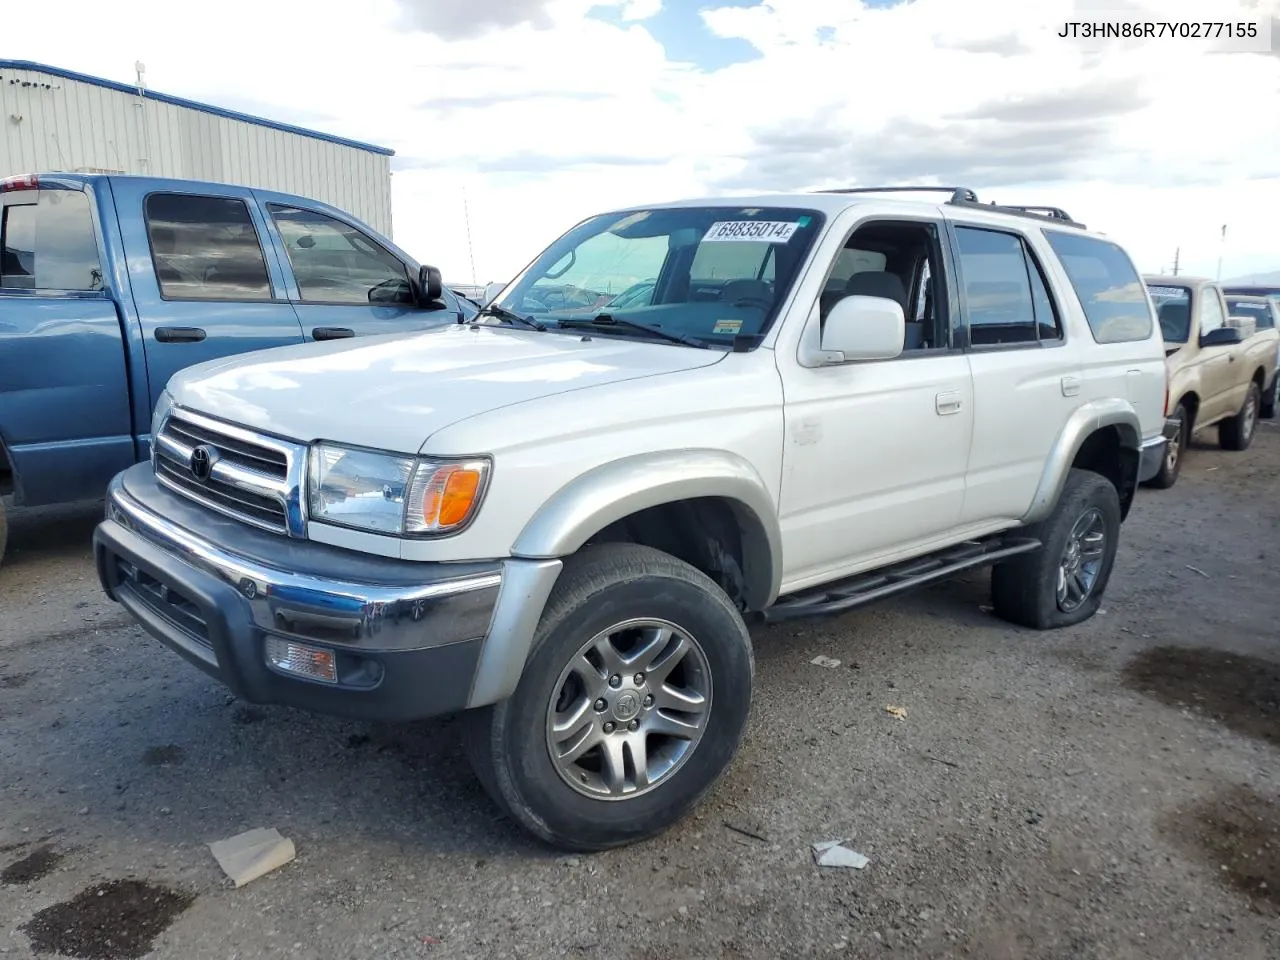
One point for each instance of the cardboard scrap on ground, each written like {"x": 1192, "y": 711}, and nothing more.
{"x": 899, "y": 712}
{"x": 249, "y": 855}
{"x": 831, "y": 853}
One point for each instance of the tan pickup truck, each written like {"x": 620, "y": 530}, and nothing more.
{"x": 1221, "y": 369}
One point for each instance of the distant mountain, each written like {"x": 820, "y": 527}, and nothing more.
{"x": 1268, "y": 279}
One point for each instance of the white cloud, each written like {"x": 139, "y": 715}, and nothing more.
{"x": 542, "y": 114}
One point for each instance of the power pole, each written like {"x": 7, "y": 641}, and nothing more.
{"x": 1222, "y": 242}
{"x": 1176, "y": 254}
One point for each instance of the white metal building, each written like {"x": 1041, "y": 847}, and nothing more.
{"x": 54, "y": 120}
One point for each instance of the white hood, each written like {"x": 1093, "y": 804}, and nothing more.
{"x": 393, "y": 392}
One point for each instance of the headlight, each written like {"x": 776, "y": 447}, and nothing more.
{"x": 163, "y": 406}
{"x": 392, "y": 493}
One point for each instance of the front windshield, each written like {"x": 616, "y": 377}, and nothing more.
{"x": 710, "y": 273}
{"x": 1173, "y": 307}
{"x": 1259, "y": 312}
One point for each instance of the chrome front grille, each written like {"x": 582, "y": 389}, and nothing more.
{"x": 254, "y": 478}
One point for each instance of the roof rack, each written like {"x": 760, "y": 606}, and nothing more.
{"x": 964, "y": 197}
{"x": 958, "y": 194}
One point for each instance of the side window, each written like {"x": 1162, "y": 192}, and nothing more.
{"x": 336, "y": 263}
{"x": 205, "y": 248}
{"x": 50, "y": 244}
{"x": 1211, "y": 317}
{"x": 1111, "y": 293}
{"x": 896, "y": 260}
{"x": 1006, "y": 297}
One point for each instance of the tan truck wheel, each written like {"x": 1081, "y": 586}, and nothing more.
{"x": 1237, "y": 433}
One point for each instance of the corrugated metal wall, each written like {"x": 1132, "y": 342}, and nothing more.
{"x": 57, "y": 124}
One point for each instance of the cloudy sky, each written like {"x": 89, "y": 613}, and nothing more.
{"x": 541, "y": 112}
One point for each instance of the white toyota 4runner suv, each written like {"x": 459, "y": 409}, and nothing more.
{"x": 560, "y": 518}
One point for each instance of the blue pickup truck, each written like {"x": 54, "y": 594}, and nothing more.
{"x": 111, "y": 284}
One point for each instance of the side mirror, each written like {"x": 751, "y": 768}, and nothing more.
{"x": 430, "y": 284}
{"x": 864, "y": 328}
{"x": 1221, "y": 337}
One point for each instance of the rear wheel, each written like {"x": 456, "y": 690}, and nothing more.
{"x": 4, "y": 531}
{"x": 1062, "y": 583}
{"x": 1176, "y": 447}
{"x": 631, "y": 705}
{"x": 1237, "y": 433}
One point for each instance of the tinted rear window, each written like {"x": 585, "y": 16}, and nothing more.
{"x": 50, "y": 244}
{"x": 205, "y": 248}
{"x": 1111, "y": 293}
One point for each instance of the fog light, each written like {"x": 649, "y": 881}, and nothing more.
{"x": 302, "y": 659}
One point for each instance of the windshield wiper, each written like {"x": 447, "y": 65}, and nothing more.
{"x": 606, "y": 320}
{"x": 502, "y": 313}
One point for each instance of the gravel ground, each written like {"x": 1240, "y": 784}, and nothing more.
{"x": 1108, "y": 791}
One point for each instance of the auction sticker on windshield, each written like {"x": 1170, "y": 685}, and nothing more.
{"x": 770, "y": 231}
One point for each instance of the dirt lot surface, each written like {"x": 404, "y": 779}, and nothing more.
{"x": 1109, "y": 791}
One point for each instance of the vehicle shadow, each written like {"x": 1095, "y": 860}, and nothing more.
{"x": 50, "y": 533}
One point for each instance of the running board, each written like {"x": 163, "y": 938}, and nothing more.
{"x": 875, "y": 585}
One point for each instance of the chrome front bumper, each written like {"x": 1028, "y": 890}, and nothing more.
{"x": 409, "y": 639}
{"x": 1153, "y": 450}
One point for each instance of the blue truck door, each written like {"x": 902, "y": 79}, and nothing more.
{"x": 205, "y": 283}
{"x": 64, "y": 386}
{"x": 345, "y": 280}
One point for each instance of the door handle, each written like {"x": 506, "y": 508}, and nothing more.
{"x": 1070, "y": 386}
{"x": 332, "y": 333}
{"x": 947, "y": 403}
{"x": 179, "y": 334}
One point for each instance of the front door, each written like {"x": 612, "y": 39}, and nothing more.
{"x": 875, "y": 453}
{"x": 346, "y": 283}
{"x": 204, "y": 283}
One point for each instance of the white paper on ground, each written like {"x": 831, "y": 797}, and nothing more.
{"x": 251, "y": 854}
{"x": 830, "y": 853}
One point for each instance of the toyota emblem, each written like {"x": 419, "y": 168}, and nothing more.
{"x": 202, "y": 460}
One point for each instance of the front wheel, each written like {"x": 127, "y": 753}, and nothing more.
{"x": 1062, "y": 583}
{"x": 1237, "y": 432}
{"x": 632, "y": 703}
{"x": 1270, "y": 398}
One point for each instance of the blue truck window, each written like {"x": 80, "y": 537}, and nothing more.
{"x": 205, "y": 248}
{"x": 50, "y": 245}
{"x": 336, "y": 263}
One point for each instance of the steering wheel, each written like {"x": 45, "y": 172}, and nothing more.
{"x": 764, "y": 303}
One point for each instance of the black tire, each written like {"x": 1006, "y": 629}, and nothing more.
{"x": 1237, "y": 432}
{"x": 1171, "y": 465}
{"x": 1024, "y": 590}
{"x": 600, "y": 587}
{"x": 1269, "y": 398}
{"x": 4, "y": 531}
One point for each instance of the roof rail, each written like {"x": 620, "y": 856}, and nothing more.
{"x": 958, "y": 194}
{"x": 964, "y": 197}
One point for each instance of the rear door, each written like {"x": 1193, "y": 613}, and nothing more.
{"x": 343, "y": 280}
{"x": 204, "y": 282}
{"x": 64, "y": 387}
{"x": 1027, "y": 376}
